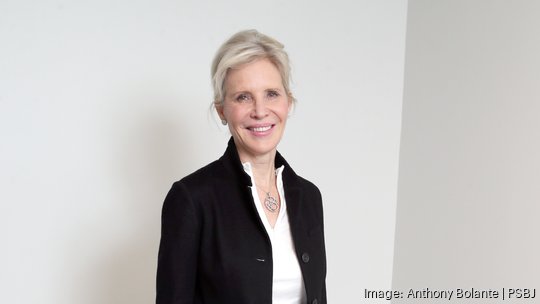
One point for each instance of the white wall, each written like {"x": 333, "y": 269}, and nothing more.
{"x": 468, "y": 203}
{"x": 103, "y": 104}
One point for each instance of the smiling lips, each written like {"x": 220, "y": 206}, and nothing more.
{"x": 261, "y": 130}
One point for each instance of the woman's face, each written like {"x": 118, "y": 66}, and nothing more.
{"x": 255, "y": 107}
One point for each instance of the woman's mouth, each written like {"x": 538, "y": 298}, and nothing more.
{"x": 261, "y": 130}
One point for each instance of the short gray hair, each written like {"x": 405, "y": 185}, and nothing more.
{"x": 245, "y": 47}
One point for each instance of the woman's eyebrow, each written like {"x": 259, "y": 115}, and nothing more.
{"x": 241, "y": 92}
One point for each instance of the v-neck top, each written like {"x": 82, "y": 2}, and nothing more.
{"x": 288, "y": 284}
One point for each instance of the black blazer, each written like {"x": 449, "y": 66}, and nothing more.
{"x": 214, "y": 247}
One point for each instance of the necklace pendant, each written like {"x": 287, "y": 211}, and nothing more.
{"x": 270, "y": 203}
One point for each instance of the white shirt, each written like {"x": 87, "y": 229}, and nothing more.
{"x": 288, "y": 285}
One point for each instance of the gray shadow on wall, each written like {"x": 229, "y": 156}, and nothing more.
{"x": 148, "y": 157}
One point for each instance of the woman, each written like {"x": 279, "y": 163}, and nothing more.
{"x": 245, "y": 228}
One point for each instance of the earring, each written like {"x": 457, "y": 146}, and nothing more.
{"x": 224, "y": 122}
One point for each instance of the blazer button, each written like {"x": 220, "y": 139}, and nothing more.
{"x": 314, "y": 301}
{"x": 305, "y": 259}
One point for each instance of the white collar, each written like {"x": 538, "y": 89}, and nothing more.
{"x": 248, "y": 169}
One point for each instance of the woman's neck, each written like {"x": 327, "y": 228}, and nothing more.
{"x": 263, "y": 169}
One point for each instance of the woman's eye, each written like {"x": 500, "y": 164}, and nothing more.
{"x": 273, "y": 94}
{"x": 242, "y": 98}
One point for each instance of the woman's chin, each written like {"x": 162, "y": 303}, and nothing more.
{"x": 258, "y": 148}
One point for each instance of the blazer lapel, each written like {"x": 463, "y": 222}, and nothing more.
{"x": 293, "y": 196}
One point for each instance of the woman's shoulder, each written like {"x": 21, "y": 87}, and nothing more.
{"x": 307, "y": 185}
{"x": 291, "y": 178}
{"x": 201, "y": 177}
{"x": 310, "y": 189}
{"x": 194, "y": 187}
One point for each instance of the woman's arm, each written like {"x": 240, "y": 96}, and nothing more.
{"x": 179, "y": 248}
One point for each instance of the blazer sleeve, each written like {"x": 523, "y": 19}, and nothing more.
{"x": 178, "y": 249}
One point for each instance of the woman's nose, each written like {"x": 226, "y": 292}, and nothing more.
{"x": 259, "y": 109}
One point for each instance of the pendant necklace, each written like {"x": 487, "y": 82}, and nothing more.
{"x": 270, "y": 202}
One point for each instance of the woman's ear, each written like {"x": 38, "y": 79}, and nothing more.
{"x": 219, "y": 109}
{"x": 291, "y": 102}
